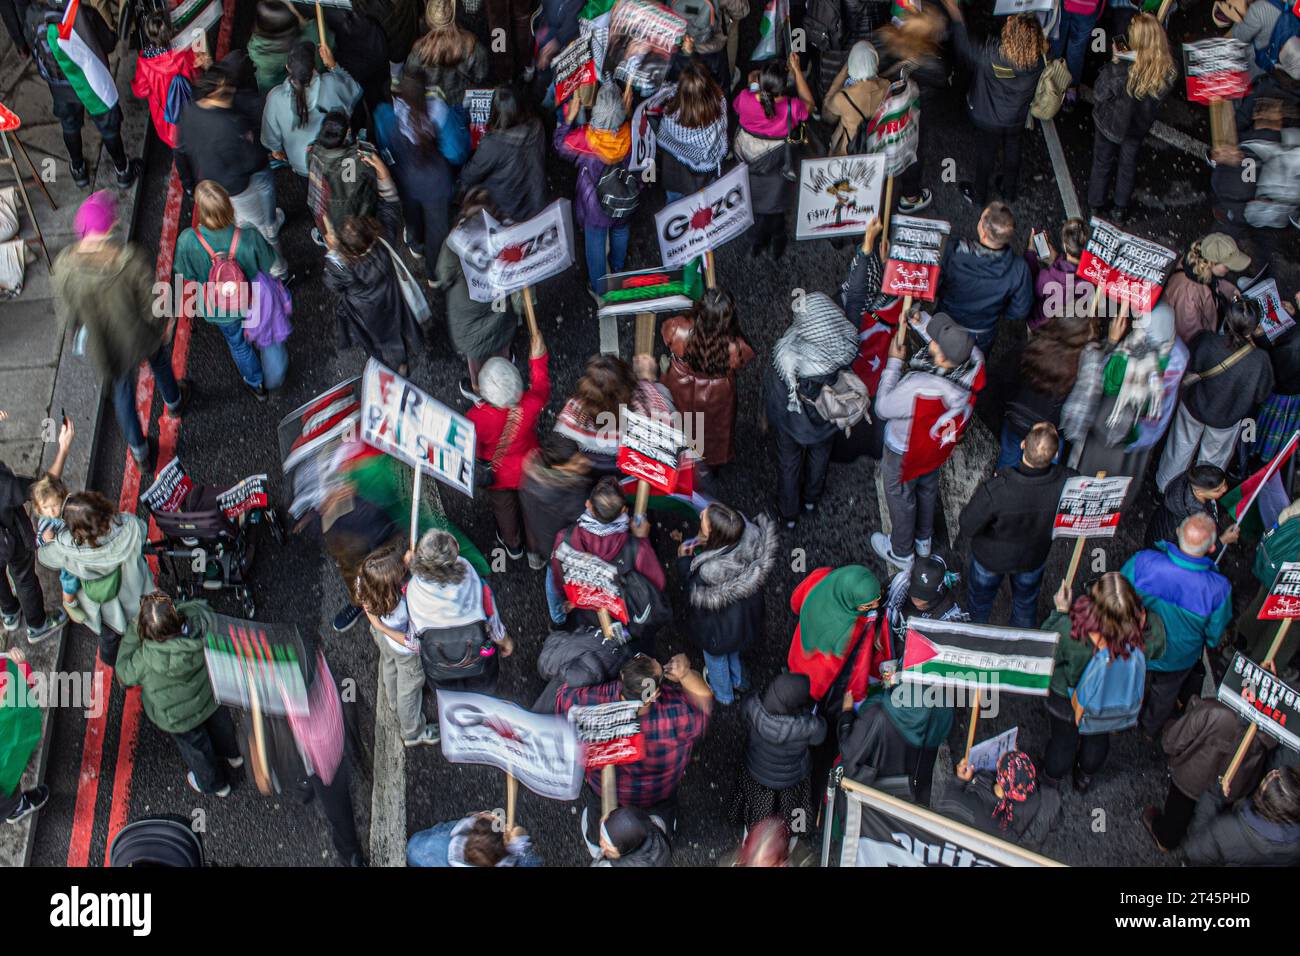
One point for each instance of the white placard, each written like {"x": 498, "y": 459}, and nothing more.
{"x": 499, "y": 259}
{"x": 705, "y": 220}
{"x": 986, "y": 754}
{"x": 839, "y": 196}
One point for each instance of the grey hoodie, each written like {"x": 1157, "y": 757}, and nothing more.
{"x": 122, "y": 547}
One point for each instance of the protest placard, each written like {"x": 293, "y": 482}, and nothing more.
{"x": 539, "y": 750}
{"x": 308, "y": 435}
{"x": 642, "y": 37}
{"x": 986, "y": 754}
{"x": 170, "y": 489}
{"x": 894, "y": 132}
{"x": 915, "y": 253}
{"x": 398, "y": 418}
{"x": 610, "y": 734}
{"x": 1090, "y": 507}
{"x": 644, "y": 142}
{"x": 574, "y": 67}
{"x": 838, "y": 196}
{"x": 1274, "y": 320}
{"x": 498, "y": 259}
{"x": 649, "y": 290}
{"x": 1283, "y": 601}
{"x": 651, "y": 451}
{"x": 1218, "y": 68}
{"x": 478, "y": 107}
{"x": 705, "y": 220}
{"x": 590, "y": 583}
{"x": 1257, "y": 695}
{"x": 1125, "y": 267}
{"x": 252, "y": 663}
{"x": 1006, "y": 8}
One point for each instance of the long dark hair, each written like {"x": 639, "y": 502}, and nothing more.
{"x": 726, "y": 525}
{"x": 771, "y": 84}
{"x": 606, "y": 385}
{"x": 714, "y": 327}
{"x": 509, "y": 109}
{"x": 357, "y": 236}
{"x": 1050, "y": 363}
{"x": 301, "y": 67}
{"x": 89, "y": 517}
{"x": 410, "y": 90}
{"x": 1240, "y": 321}
{"x": 1110, "y": 607}
{"x": 697, "y": 101}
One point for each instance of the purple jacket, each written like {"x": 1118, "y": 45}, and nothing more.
{"x": 268, "y": 317}
{"x": 1055, "y": 287}
{"x": 590, "y": 167}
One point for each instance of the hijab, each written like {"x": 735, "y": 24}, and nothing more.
{"x": 830, "y": 612}
{"x": 788, "y": 694}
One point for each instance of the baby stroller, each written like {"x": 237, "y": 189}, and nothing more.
{"x": 209, "y": 540}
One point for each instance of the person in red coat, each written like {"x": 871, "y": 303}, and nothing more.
{"x": 840, "y": 624}
{"x": 157, "y": 71}
{"x": 505, "y": 428}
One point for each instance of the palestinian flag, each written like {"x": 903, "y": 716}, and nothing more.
{"x": 978, "y": 656}
{"x": 83, "y": 63}
{"x": 776, "y": 14}
{"x": 686, "y": 502}
{"x": 20, "y": 723}
{"x": 1264, "y": 486}
{"x": 652, "y": 290}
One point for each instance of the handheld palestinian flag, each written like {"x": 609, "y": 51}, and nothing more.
{"x": 651, "y": 290}
{"x": 775, "y": 15}
{"x": 82, "y": 61}
{"x": 685, "y": 502}
{"x": 978, "y": 656}
{"x": 20, "y": 723}
{"x": 1264, "y": 486}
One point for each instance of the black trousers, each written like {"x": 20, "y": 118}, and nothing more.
{"x": 24, "y": 594}
{"x": 1110, "y": 158}
{"x": 1165, "y": 691}
{"x": 13, "y": 13}
{"x": 988, "y": 141}
{"x": 1067, "y": 748}
{"x": 72, "y": 115}
{"x": 801, "y": 472}
{"x": 206, "y": 748}
{"x": 769, "y": 229}
{"x": 1171, "y": 823}
{"x": 336, "y": 802}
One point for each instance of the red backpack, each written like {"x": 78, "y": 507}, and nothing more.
{"x": 226, "y": 289}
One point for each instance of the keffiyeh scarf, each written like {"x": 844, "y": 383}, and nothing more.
{"x": 820, "y": 341}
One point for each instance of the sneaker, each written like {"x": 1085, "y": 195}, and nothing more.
{"x": 235, "y": 762}
{"x": 789, "y": 525}
{"x": 923, "y": 548}
{"x": 81, "y": 175}
{"x": 53, "y": 623}
{"x": 913, "y": 204}
{"x": 28, "y": 803}
{"x": 513, "y": 555}
{"x": 1082, "y": 781}
{"x": 178, "y": 410}
{"x": 11, "y": 622}
{"x": 468, "y": 393}
{"x": 880, "y": 545}
{"x": 346, "y": 617}
{"x": 535, "y": 561}
{"x": 194, "y": 785}
{"x": 810, "y": 506}
{"x": 259, "y": 391}
{"x": 427, "y": 737}
{"x": 967, "y": 191}
{"x": 125, "y": 177}
{"x": 1149, "y": 815}
{"x": 144, "y": 460}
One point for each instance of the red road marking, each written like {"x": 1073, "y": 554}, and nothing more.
{"x": 168, "y": 435}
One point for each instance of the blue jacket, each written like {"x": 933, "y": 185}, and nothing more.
{"x": 444, "y": 845}
{"x": 979, "y": 285}
{"x": 1191, "y": 597}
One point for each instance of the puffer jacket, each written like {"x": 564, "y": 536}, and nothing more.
{"x": 712, "y": 399}
{"x": 655, "y": 851}
{"x": 724, "y": 589}
{"x": 777, "y": 748}
{"x": 511, "y": 165}
{"x": 552, "y": 500}
{"x": 171, "y": 674}
{"x": 1117, "y": 115}
{"x": 1240, "y": 837}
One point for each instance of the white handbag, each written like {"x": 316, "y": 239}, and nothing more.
{"x": 412, "y": 294}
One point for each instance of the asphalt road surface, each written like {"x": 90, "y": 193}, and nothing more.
{"x": 227, "y": 435}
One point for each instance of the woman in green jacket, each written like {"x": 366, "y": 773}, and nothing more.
{"x": 163, "y": 654}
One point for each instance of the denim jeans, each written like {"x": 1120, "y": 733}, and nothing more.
{"x": 250, "y": 369}
{"x": 596, "y": 239}
{"x": 1072, "y": 40}
{"x": 982, "y": 590}
{"x": 123, "y": 390}
{"x": 1009, "y": 452}
{"x": 726, "y": 674}
{"x": 554, "y": 597}
{"x": 275, "y": 364}
{"x": 255, "y": 207}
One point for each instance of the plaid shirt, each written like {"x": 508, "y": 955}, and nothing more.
{"x": 670, "y": 730}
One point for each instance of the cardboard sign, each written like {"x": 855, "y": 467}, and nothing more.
{"x": 1262, "y": 699}
{"x": 1217, "y": 69}
{"x": 838, "y": 196}
{"x": 251, "y": 662}
{"x": 1125, "y": 267}
{"x": 478, "y": 107}
{"x": 651, "y": 450}
{"x": 645, "y": 144}
{"x": 499, "y": 260}
{"x": 574, "y": 68}
{"x": 1007, "y": 8}
{"x": 308, "y": 435}
{"x": 895, "y": 131}
{"x": 169, "y": 490}
{"x": 610, "y": 734}
{"x": 540, "y": 750}
{"x": 9, "y": 120}
{"x": 705, "y": 220}
{"x": 398, "y": 418}
{"x": 915, "y": 252}
{"x": 986, "y": 754}
{"x": 642, "y": 37}
{"x": 248, "y": 495}
{"x": 1283, "y": 599}
{"x": 1275, "y": 320}
{"x": 648, "y": 290}
{"x": 1090, "y": 507}
{"x": 590, "y": 583}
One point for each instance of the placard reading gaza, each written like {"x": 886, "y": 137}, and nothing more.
{"x": 650, "y": 450}
{"x": 498, "y": 259}
{"x": 1090, "y": 507}
{"x": 1217, "y": 69}
{"x": 1125, "y": 267}
{"x": 610, "y": 734}
{"x": 398, "y": 418}
{"x": 590, "y": 583}
{"x": 1283, "y": 599}
{"x": 705, "y": 220}
{"x": 838, "y": 196}
{"x": 915, "y": 252}
{"x": 1261, "y": 698}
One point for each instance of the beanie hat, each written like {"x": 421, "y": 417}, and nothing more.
{"x": 96, "y": 215}
{"x": 608, "y": 112}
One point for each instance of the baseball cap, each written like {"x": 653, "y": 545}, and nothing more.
{"x": 955, "y": 342}
{"x": 926, "y": 580}
{"x": 1216, "y": 247}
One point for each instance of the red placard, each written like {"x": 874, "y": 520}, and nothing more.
{"x": 1218, "y": 68}
{"x": 614, "y": 752}
{"x": 574, "y": 67}
{"x": 915, "y": 251}
{"x": 1125, "y": 267}
{"x": 9, "y": 120}
{"x": 1283, "y": 599}
{"x": 590, "y": 583}
{"x": 658, "y": 475}
{"x": 651, "y": 451}
{"x": 610, "y": 733}
{"x": 920, "y": 280}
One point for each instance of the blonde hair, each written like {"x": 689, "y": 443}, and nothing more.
{"x": 1153, "y": 70}
{"x": 212, "y": 203}
{"x": 1023, "y": 42}
{"x": 49, "y": 490}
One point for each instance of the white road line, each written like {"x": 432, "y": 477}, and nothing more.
{"x": 1062, "y": 171}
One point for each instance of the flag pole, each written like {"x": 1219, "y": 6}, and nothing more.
{"x": 1269, "y": 472}
{"x": 415, "y": 509}
{"x": 1239, "y": 757}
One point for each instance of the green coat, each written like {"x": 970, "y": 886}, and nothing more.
{"x": 172, "y": 675}
{"x": 271, "y": 56}
{"x": 193, "y": 263}
{"x": 1073, "y": 656}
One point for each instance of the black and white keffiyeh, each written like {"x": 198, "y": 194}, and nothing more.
{"x": 820, "y": 341}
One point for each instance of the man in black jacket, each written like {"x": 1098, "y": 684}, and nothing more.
{"x": 1009, "y": 523}
{"x": 1196, "y": 490}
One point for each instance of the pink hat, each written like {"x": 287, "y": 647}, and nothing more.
{"x": 96, "y": 215}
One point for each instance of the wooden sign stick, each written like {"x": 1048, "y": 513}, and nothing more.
{"x": 710, "y": 272}
{"x": 974, "y": 721}
{"x": 529, "y": 314}
{"x": 889, "y": 202}
{"x": 1073, "y": 569}
{"x": 608, "y": 790}
{"x": 512, "y": 796}
{"x": 606, "y": 623}
{"x": 1253, "y": 729}
{"x": 320, "y": 24}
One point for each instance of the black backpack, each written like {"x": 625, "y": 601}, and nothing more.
{"x": 647, "y": 607}
{"x": 618, "y": 191}
{"x": 453, "y": 653}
